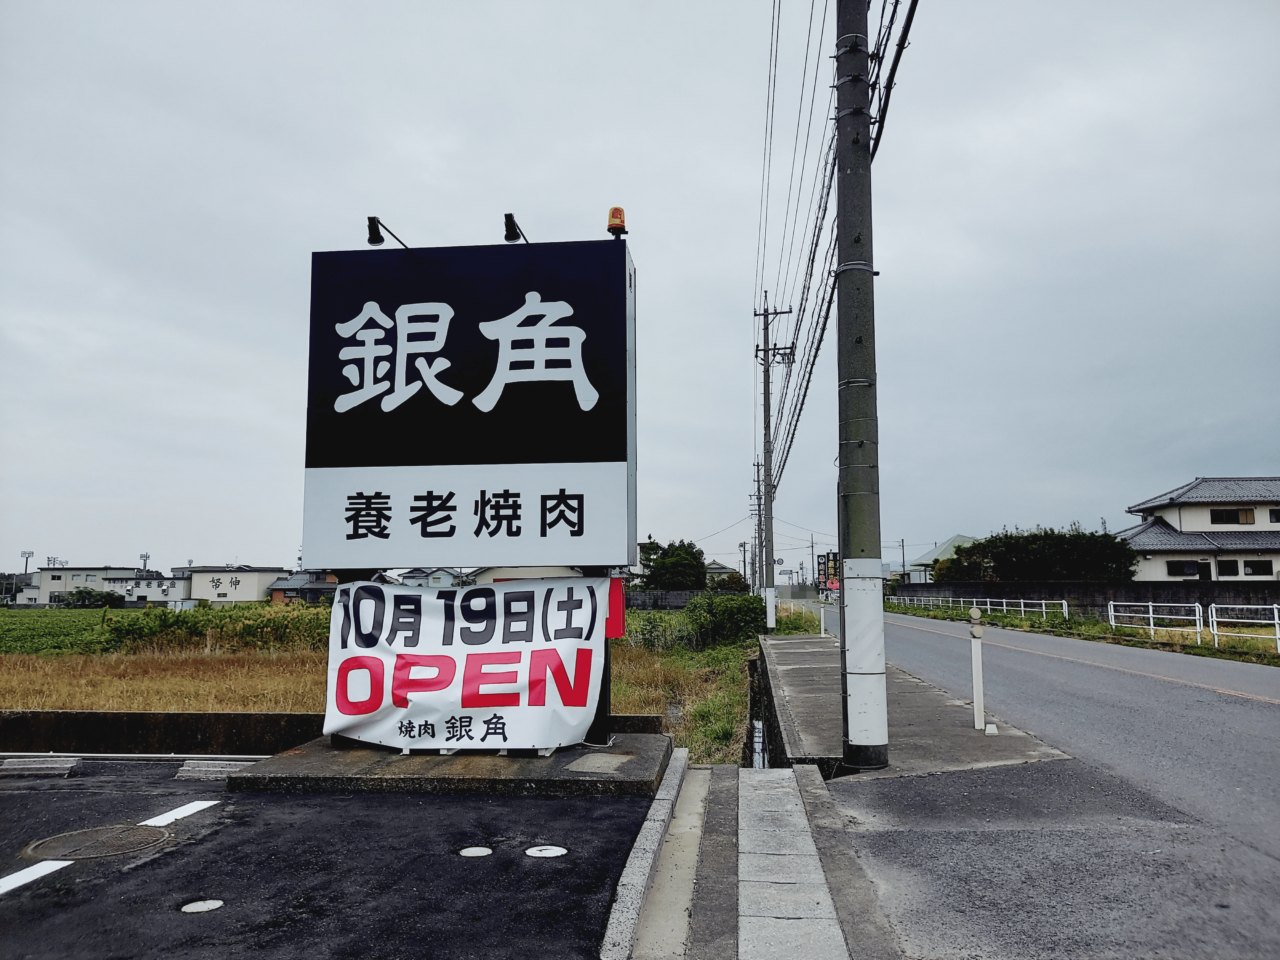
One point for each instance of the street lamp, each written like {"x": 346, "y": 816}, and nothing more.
{"x": 376, "y": 239}
{"x": 514, "y": 234}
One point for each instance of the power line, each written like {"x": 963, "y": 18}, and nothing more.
{"x": 718, "y": 532}
{"x": 883, "y": 112}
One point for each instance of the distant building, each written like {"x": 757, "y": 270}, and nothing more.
{"x": 231, "y": 583}
{"x": 718, "y": 570}
{"x": 305, "y": 586}
{"x": 50, "y": 585}
{"x": 435, "y": 577}
{"x": 920, "y": 570}
{"x": 1213, "y": 528}
{"x": 499, "y": 574}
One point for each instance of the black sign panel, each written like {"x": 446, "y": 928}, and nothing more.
{"x": 469, "y": 355}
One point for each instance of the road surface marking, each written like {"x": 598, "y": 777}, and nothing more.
{"x": 1104, "y": 666}
{"x": 14, "y": 880}
{"x": 186, "y": 810}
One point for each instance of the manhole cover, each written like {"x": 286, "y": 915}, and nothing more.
{"x": 111, "y": 841}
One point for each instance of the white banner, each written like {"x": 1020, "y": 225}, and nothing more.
{"x": 514, "y": 665}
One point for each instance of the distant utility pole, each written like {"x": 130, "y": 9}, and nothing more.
{"x": 743, "y": 547}
{"x": 903, "y": 542}
{"x": 765, "y": 354}
{"x": 813, "y": 563}
{"x": 865, "y": 707}
{"x": 758, "y": 548}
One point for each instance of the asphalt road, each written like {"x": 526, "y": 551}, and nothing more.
{"x": 309, "y": 876}
{"x": 1201, "y": 735}
{"x": 1159, "y": 837}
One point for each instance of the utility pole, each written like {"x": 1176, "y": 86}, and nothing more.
{"x": 758, "y": 549}
{"x": 765, "y": 355}
{"x": 903, "y": 578}
{"x": 743, "y": 547}
{"x": 865, "y": 698}
{"x": 813, "y": 563}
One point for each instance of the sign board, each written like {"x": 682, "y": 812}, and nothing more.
{"x": 471, "y": 406}
{"x": 515, "y": 665}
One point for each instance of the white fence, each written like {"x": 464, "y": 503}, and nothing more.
{"x": 1021, "y": 607}
{"x": 1256, "y": 617}
{"x": 1177, "y": 617}
{"x": 1225, "y": 620}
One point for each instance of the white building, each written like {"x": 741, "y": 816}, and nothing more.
{"x": 52, "y": 584}
{"x": 1213, "y": 528}
{"x": 436, "y": 577}
{"x": 230, "y": 583}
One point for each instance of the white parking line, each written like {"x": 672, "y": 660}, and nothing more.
{"x": 47, "y": 867}
{"x": 14, "y": 880}
{"x": 186, "y": 810}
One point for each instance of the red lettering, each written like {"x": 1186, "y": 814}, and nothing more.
{"x": 571, "y": 694}
{"x": 474, "y": 677}
{"x": 402, "y": 684}
{"x": 356, "y": 708}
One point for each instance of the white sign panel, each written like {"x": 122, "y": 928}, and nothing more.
{"x": 515, "y": 665}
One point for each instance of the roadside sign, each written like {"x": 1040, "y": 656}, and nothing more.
{"x": 497, "y": 666}
{"x": 471, "y": 406}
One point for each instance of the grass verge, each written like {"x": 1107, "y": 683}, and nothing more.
{"x": 1245, "y": 649}
{"x": 290, "y": 681}
{"x": 264, "y": 659}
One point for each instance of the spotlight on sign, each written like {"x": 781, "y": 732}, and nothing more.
{"x": 514, "y": 234}
{"x": 376, "y": 239}
{"x": 617, "y": 222}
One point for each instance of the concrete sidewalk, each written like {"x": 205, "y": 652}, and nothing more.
{"x": 763, "y": 863}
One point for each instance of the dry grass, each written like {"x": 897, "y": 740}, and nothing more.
{"x": 702, "y": 696}
{"x": 259, "y": 682}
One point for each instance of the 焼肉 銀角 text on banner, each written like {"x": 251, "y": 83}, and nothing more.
{"x": 514, "y": 665}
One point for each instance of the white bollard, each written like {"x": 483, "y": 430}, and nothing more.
{"x": 822, "y": 621}
{"x": 771, "y": 607}
{"x": 975, "y": 644}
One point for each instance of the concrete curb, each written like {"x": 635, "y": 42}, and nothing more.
{"x": 867, "y": 931}
{"x": 633, "y": 885}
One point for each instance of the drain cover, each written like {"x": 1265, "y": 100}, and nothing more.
{"x": 110, "y": 841}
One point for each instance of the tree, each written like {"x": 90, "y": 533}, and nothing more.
{"x": 729, "y": 583}
{"x": 86, "y": 597}
{"x": 1041, "y": 554}
{"x": 679, "y": 565}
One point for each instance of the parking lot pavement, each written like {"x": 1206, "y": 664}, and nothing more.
{"x": 316, "y": 875}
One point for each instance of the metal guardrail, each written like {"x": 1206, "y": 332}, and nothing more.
{"x": 1185, "y": 617}
{"x": 990, "y": 605}
{"x": 1256, "y": 616}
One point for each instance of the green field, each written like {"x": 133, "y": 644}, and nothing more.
{"x": 249, "y": 626}
{"x": 54, "y": 631}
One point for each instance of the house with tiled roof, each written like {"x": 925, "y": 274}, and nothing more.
{"x": 303, "y": 586}
{"x": 1213, "y": 528}
{"x": 920, "y": 570}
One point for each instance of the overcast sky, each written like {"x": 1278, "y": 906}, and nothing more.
{"x": 1077, "y": 226}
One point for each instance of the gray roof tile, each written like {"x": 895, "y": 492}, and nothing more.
{"x": 1217, "y": 490}
{"x": 1159, "y": 536}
